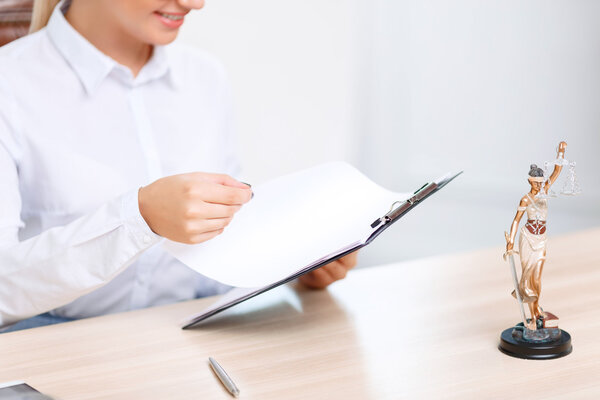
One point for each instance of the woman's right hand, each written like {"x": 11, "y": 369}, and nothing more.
{"x": 192, "y": 208}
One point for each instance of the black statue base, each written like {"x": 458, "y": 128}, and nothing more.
{"x": 556, "y": 344}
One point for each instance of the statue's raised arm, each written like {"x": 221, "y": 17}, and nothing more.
{"x": 560, "y": 155}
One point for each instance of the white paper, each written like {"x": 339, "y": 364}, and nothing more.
{"x": 290, "y": 223}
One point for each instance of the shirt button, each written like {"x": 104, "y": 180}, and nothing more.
{"x": 147, "y": 239}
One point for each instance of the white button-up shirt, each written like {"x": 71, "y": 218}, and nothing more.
{"x": 78, "y": 136}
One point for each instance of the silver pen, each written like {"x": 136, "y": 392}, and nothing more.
{"x": 223, "y": 377}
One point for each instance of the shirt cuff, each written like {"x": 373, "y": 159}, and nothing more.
{"x": 135, "y": 224}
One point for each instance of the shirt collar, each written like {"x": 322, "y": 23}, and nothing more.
{"x": 91, "y": 65}
{"x": 160, "y": 65}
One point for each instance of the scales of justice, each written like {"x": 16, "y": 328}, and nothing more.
{"x": 536, "y": 337}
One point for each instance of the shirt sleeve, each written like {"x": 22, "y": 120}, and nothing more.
{"x": 59, "y": 265}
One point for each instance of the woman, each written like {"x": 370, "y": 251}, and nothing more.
{"x": 101, "y": 128}
{"x": 532, "y": 240}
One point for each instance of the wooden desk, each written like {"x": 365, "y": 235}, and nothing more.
{"x": 420, "y": 329}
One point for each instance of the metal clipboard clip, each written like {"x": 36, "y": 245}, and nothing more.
{"x": 399, "y": 208}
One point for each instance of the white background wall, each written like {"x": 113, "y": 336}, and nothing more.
{"x": 407, "y": 90}
{"x": 293, "y": 67}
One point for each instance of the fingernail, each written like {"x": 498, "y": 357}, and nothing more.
{"x": 252, "y": 196}
{"x": 247, "y": 184}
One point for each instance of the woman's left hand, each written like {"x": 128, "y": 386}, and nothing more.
{"x": 322, "y": 277}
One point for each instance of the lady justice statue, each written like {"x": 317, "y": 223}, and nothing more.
{"x": 537, "y": 337}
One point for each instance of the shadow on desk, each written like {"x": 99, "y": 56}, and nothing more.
{"x": 35, "y": 322}
{"x": 291, "y": 331}
{"x": 294, "y": 304}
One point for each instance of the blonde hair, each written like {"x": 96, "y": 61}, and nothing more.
{"x": 42, "y": 9}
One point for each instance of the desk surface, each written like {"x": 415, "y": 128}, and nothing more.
{"x": 421, "y": 329}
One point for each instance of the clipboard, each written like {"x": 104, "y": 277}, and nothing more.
{"x": 397, "y": 210}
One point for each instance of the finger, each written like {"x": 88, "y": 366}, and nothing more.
{"x": 336, "y": 270}
{"x": 226, "y": 180}
{"x": 220, "y": 194}
{"x": 310, "y": 281}
{"x": 349, "y": 261}
{"x": 323, "y": 276}
{"x": 203, "y": 237}
{"x": 211, "y": 210}
{"x": 207, "y": 225}
{"x": 316, "y": 279}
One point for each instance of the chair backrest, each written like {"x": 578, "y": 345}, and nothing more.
{"x": 15, "y": 16}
